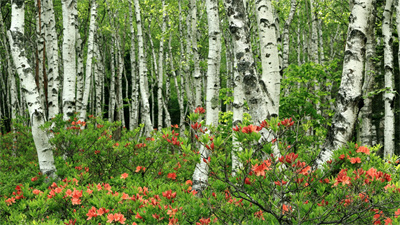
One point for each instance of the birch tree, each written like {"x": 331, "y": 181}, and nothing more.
{"x": 69, "y": 12}
{"x": 200, "y": 176}
{"x": 160, "y": 79}
{"x": 350, "y": 93}
{"x": 196, "y": 60}
{"x": 30, "y": 90}
{"x": 89, "y": 60}
{"x": 52, "y": 58}
{"x": 245, "y": 63}
{"x": 145, "y": 109}
{"x": 134, "y": 113}
{"x": 389, "y": 80}
{"x": 366, "y": 128}
{"x": 286, "y": 30}
{"x": 270, "y": 78}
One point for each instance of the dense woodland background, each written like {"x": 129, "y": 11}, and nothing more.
{"x": 104, "y": 60}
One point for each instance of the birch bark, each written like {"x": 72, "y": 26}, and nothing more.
{"x": 245, "y": 62}
{"x": 366, "y": 128}
{"x": 134, "y": 114}
{"x": 30, "y": 91}
{"x": 160, "y": 78}
{"x": 270, "y": 78}
{"x": 389, "y": 80}
{"x": 142, "y": 73}
{"x": 196, "y": 60}
{"x": 89, "y": 60}
{"x": 52, "y": 58}
{"x": 200, "y": 175}
{"x": 350, "y": 93}
{"x": 286, "y": 31}
{"x": 69, "y": 57}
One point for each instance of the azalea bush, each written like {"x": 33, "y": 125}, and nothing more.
{"x": 108, "y": 174}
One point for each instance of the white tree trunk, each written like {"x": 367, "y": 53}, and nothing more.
{"x": 160, "y": 78}
{"x": 98, "y": 77}
{"x": 134, "y": 114}
{"x": 350, "y": 92}
{"x": 245, "y": 62}
{"x": 145, "y": 112}
{"x": 286, "y": 30}
{"x": 389, "y": 80}
{"x": 196, "y": 60}
{"x": 200, "y": 175}
{"x": 270, "y": 78}
{"x": 30, "y": 91}
{"x": 111, "y": 104}
{"x": 366, "y": 129}
{"x": 69, "y": 56}
{"x": 89, "y": 60}
{"x": 40, "y": 54}
{"x": 53, "y": 75}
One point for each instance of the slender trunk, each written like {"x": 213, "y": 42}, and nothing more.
{"x": 366, "y": 128}
{"x": 142, "y": 73}
{"x": 270, "y": 78}
{"x": 389, "y": 80}
{"x": 52, "y": 58}
{"x": 196, "y": 60}
{"x": 30, "y": 91}
{"x": 69, "y": 57}
{"x": 350, "y": 92}
{"x": 88, "y": 71}
{"x": 134, "y": 114}
{"x": 98, "y": 77}
{"x": 200, "y": 175}
{"x": 160, "y": 78}
{"x": 111, "y": 104}
{"x": 40, "y": 55}
{"x": 286, "y": 30}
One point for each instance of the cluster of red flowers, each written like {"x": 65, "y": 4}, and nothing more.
{"x": 173, "y": 140}
{"x": 290, "y": 158}
{"x": 200, "y": 110}
{"x": 168, "y": 194}
{"x": 140, "y": 145}
{"x": 18, "y": 195}
{"x": 251, "y": 128}
{"x": 286, "y": 122}
{"x": 260, "y": 169}
{"x": 197, "y": 126}
{"x": 117, "y": 217}
{"x": 93, "y": 212}
{"x": 76, "y": 125}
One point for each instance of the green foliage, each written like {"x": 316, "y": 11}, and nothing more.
{"x": 110, "y": 171}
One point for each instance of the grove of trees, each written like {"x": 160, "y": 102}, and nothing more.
{"x": 330, "y": 65}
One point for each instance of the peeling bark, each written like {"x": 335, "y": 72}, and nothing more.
{"x": 350, "y": 92}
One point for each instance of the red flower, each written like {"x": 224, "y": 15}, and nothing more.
{"x": 172, "y": 176}
{"x": 200, "y": 110}
{"x": 204, "y": 221}
{"x": 388, "y": 221}
{"x": 249, "y": 129}
{"x": 363, "y": 149}
{"x": 236, "y": 128}
{"x": 124, "y": 176}
{"x": 168, "y": 194}
{"x": 342, "y": 178}
{"x": 34, "y": 179}
{"x": 355, "y": 160}
{"x": 91, "y": 213}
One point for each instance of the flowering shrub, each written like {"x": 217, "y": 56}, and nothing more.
{"x": 123, "y": 178}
